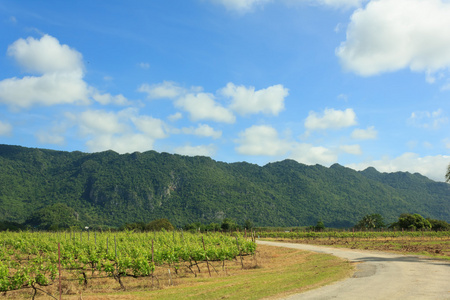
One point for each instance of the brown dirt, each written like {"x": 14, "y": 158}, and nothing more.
{"x": 435, "y": 247}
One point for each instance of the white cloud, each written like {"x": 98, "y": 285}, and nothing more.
{"x": 60, "y": 81}
{"x": 310, "y": 155}
{"x": 245, "y": 6}
{"x": 330, "y": 3}
{"x": 341, "y": 3}
{"x": 428, "y": 120}
{"x": 50, "y": 137}
{"x": 202, "y": 106}
{"x": 128, "y": 143}
{"x": 100, "y": 122}
{"x": 248, "y": 101}
{"x": 388, "y": 35}
{"x": 46, "y": 55}
{"x": 434, "y": 167}
{"x": 166, "y": 89}
{"x": 152, "y": 127}
{"x": 241, "y": 6}
{"x": 330, "y": 119}
{"x": 365, "y": 134}
{"x": 261, "y": 140}
{"x": 48, "y": 89}
{"x": 125, "y": 131}
{"x": 351, "y": 149}
{"x": 144, "y": 65}
{"x": 203, "y": 130}
{"x": 202, "y": 150}
{"x": 5, "y": 129}
{"x": 446, "y": 143}
{"x": 176, "y": 116}
{"x": 107, "y": 98}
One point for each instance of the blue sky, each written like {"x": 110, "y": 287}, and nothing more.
{"x": 355, "y": 82}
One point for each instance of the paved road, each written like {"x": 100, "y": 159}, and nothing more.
{"x": 381, "y": 276}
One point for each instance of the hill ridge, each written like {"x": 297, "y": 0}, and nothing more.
{"x": 112, "y": 189}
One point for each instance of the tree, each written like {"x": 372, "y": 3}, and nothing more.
{"x": 439, "y": 225}
{"x": 229, "y": 225}
{"x": 248, "y": 224}
{"x": 371, "y": 221}
{"x": 159, "y": 224}
{"x": 54, "y": 217}
{"x": 320, "y": 226}
{"x": 412, "y": 221}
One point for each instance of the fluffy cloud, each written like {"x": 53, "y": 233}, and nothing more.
{"x": 46, "y": 55}
{"x": 202, "y": 150}
{"x": 50, "y": 137}
{"x": 261, "y": 140}
{"x": 166, "y": 89}
{"x": 351, "y": 149}
{"x": 128, "y": 143}
{"x": 389, "y": 35}
{"x": 248, "y": 101}
{"x": 201, "y": 106}
{"x": 330, "y": 119}
{"x": 152, "y": 127}
{"x": 175, "y": 117}
{"x": 203, "y": 130}
{"x": 241, "y": 6}
{"x": 434, "y": 167}
{"x": 429, "y": 120}
{"x": 245, "y": 6}
{"x": 340, "y": 3}
{"x": 365, "y": 134}
{"x": 61, "y": 70}
{"x": 107, "y": 98}
{"x": 310, "y": 155}
{"x": 59, "y": 79}
{"x": 5, "y": 129}
{"x": 48, "y": 89}
{"x": 123, "y": 131}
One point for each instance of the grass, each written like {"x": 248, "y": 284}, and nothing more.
{"x": 274, "y": 272}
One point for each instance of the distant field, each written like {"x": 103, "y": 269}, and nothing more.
{"x": 429, "y": 243}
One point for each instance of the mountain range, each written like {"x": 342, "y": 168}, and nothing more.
{"x": 108, "y": 188}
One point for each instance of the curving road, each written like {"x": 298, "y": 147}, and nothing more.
{"x": 381, "y": 275}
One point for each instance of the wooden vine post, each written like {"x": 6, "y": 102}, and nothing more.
{"x": 59, "y": 268}
{"x": 207, "y": 263}
{"x": 240, "y": 254}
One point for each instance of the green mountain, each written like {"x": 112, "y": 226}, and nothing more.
{"x": 110, "y": 189}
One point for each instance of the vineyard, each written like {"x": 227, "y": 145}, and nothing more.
{"x": 35, "y": 260}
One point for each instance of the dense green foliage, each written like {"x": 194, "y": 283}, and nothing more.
{"x": 412, "y": 222}
{"x": 53, "y": 217}
{"x": 371, "y": 221}
{"x": 111, "y": 189}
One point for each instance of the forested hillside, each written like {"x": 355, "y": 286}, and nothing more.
{"x": 111, "y": 189}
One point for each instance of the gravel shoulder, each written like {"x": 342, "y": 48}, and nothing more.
{"x": 381, "y": 275}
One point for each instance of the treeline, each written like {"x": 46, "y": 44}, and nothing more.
{"x": 61, "y": 217}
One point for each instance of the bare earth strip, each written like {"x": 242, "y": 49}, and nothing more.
{"x": 381, "y": 275}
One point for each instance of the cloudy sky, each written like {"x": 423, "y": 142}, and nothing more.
{"x": 355, "y": 82}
